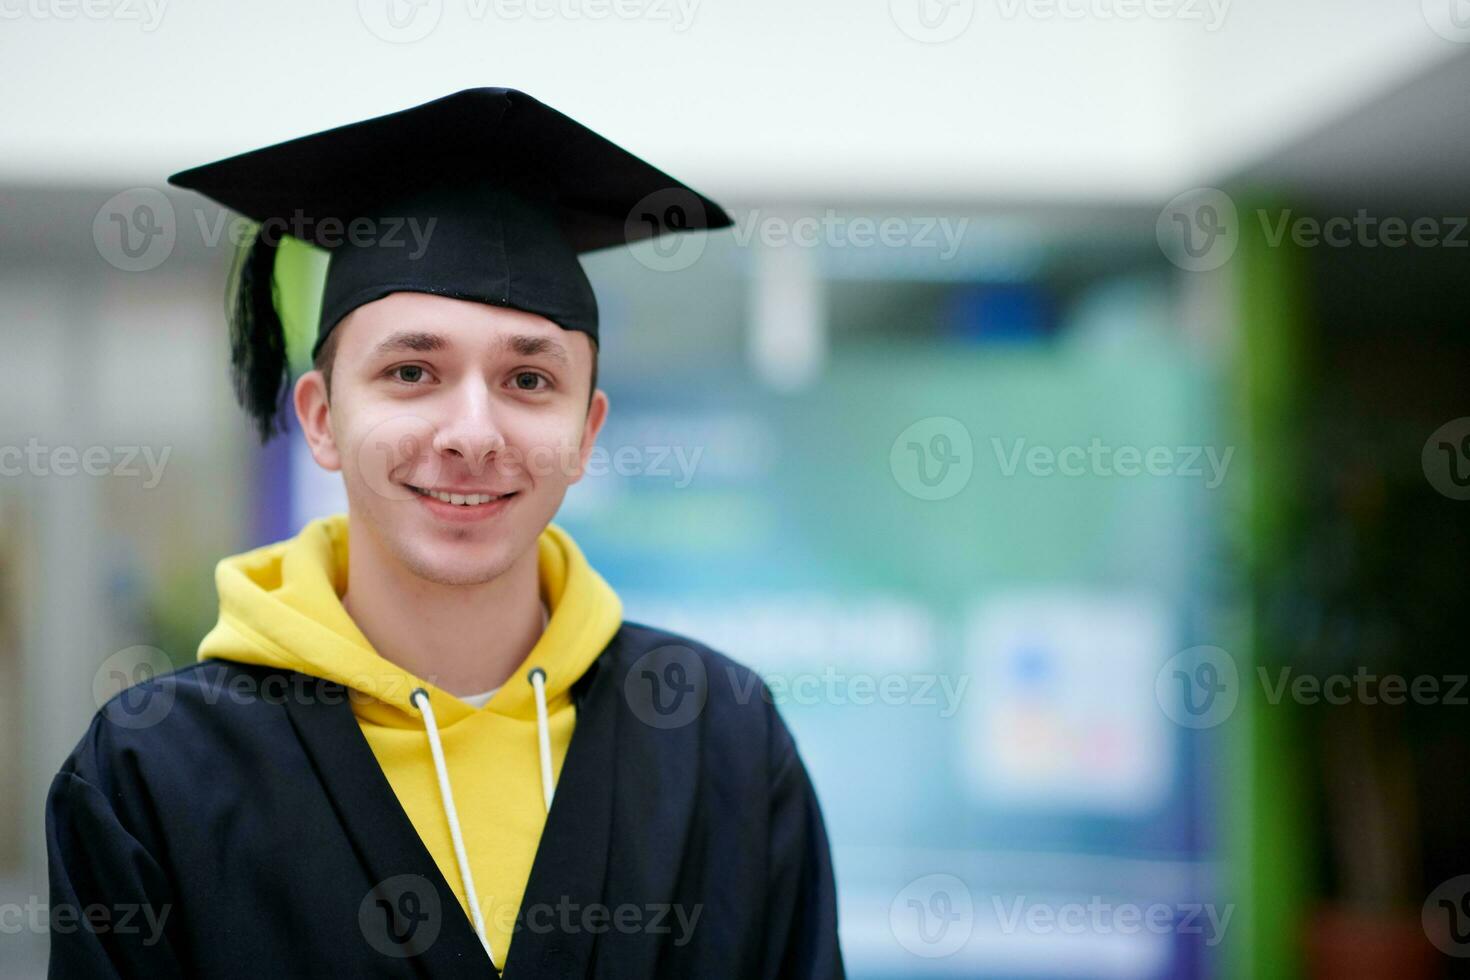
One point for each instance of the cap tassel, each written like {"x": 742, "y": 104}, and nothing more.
{"x": 258, "y": 338}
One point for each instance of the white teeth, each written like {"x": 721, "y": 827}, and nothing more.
{"x": 459, "y": 499}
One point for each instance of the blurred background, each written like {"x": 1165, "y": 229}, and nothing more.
{"x": 1072, "y": 430}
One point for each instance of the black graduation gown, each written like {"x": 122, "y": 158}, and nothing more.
{"x": 231, "y": 821}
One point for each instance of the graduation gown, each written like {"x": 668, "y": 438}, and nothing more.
{"x": 230, "y": 820}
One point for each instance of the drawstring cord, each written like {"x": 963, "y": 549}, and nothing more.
{"x": 537, "y": 677}
{"x": 420, "y": 699}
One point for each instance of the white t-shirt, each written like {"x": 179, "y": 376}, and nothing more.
{"x": 478, "y": 701}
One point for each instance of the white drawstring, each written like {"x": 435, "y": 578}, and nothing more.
{"x": 537, "y": 677}
{"x": 420, "y": 698}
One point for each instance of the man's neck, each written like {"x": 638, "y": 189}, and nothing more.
{"x": 463, "y": 639}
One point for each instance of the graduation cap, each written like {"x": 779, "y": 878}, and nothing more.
{"x": 485, "y": 195}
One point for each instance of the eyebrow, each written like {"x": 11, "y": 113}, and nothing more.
{"x": 525, "y": 345}
{"x": 413, "y": 340}
{"x": 529, "y": 346}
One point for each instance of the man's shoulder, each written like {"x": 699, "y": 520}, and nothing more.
{"x": 210, "y": 684}
{"x": 720, "y": 668}
{"x": 729, "y": 692}
{"x": 180, "y": 714}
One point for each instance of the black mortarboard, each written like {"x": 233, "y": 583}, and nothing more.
{"x": 503, "y": 191}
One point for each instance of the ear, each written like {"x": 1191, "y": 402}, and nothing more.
{"x": 596, "y": 415}
{"x": 315, "y": 416}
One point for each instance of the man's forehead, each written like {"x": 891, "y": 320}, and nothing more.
{"x": 423, "y": 322}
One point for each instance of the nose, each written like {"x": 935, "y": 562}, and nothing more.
{"x": 470, "y": 430}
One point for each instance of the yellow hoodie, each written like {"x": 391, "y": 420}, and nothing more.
{"x": 280, "y": 606}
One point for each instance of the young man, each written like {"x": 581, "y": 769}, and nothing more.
{"x": 422, "y": 740}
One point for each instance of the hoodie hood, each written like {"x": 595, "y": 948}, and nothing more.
{"x": 281, "y": 606}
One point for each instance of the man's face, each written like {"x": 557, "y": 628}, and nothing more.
{"x": 434, "y": 397}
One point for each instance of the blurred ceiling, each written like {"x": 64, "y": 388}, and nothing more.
{"x": 1063, "y": 101}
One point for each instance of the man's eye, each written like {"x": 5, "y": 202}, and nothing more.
{"x": 410, "y": 373}
{"x": 534, "y": 376}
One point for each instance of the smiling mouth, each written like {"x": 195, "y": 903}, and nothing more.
{"x": 461, "y": 499}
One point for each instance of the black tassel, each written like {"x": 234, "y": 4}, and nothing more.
{"x": 258, "y": 339}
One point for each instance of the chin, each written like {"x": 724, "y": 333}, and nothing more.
{"x": 464, "y": 563}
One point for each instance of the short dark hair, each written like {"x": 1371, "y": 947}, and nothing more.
{"x": 328, "y": 354}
